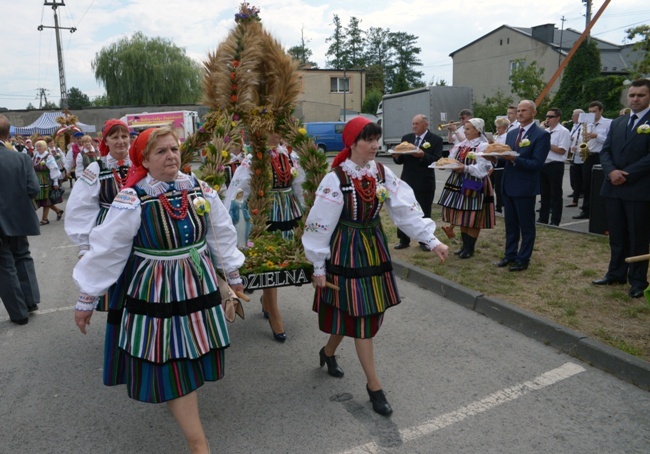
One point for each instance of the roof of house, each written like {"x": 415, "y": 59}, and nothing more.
{"x": 614, "y": 58}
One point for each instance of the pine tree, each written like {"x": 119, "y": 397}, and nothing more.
{"x": 301, "y": 52}
{"x": 337, "y": 52}
{"x": 355, "y": 43}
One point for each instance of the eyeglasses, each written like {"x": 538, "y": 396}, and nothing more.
{"x": 551, "y": 116}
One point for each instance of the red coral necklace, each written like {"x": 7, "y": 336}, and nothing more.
{"x": 175, "y": 213}
{"x": 366, "y": 187}
{"x": 283, "y": 174}
{"x": 121, "y": 181}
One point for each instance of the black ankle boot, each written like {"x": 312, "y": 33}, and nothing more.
{"x": 379, "y": 403}
{"x": 464, "y": 246}
{"x": 469, "y": 248}
{"x": 332, "y": 368}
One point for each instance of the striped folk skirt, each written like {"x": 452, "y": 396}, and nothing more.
{"x": 360, "y": 266}
{"x": 167, "y": 336}
{"x": 472, "y": 209}
{"x": 285, "y": 212}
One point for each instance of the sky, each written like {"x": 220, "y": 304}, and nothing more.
{"x": 30, "y": 56}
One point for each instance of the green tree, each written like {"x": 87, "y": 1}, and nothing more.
{"x": 301, "y": 52}
{"x": 100, "y": 101}
{"x": 642, "y": 66}
{"x": 371, "y": 101}
{"x": 50, "y": 105}
{"x": 337, "y": 52}
{"x": 405, "y": 61}
{"x": 77, "y": 99}
{"x": 584, "y": 65}
{"x": 491, "y": 107}
{"x": 141, "y": 71}
{"x": 400, "y": 84}
{"x": 608, "y": 90}
{"x": 378, "y": 56}
{"x": 30, "y": 106}
{"x": 526, "y": 80}
{"x": 355, "y": 43}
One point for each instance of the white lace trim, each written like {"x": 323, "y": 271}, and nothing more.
{"x": 357, "y": 172}
{"x": 155, "y": 187}
{"x": 111, "y": 163}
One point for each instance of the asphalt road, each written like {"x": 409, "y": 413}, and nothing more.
{"x": 458, "y": 383}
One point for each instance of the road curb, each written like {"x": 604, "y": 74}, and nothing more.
{"x": 609, "y": 359}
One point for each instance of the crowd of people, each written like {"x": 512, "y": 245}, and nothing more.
{"x": 156, "y": 244}
{"x": 481, "y": 184}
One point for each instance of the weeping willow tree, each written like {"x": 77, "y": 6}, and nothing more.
{"x": 141, "y": 71}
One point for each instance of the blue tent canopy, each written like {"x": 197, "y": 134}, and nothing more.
{"x": 46, "y": 125}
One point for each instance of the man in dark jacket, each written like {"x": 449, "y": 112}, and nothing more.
{"x": 625, "y": 158}
{"x": 416, "y": 172}
{"x": 18, "y": 185}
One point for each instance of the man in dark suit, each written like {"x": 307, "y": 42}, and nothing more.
{"x": 520, "y": 186}
{"x": 625, "y": 158}
{"x": 416, "y": 172}
{"x": 18, "y": 184}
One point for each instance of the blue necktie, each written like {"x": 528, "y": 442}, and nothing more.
{"x": 630, "y": 127}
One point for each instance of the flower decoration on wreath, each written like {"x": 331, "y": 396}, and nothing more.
{"x": 251, "y": 87}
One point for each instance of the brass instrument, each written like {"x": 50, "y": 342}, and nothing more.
{"x": 584, "y": 147}
{"x": 446, "y": 125}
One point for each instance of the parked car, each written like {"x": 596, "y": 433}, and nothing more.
{"x": 326, "y": 134}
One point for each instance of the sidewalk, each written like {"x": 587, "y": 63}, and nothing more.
{"x": 609, "y": 359}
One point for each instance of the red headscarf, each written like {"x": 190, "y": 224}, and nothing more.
{"x": 103, "y": 148}
{"x": 137, "y": 172}
{"x": 350, "y": 134}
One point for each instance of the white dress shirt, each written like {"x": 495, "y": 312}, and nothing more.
{"x": 560, "y": 137}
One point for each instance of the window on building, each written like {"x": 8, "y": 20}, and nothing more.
{"x": 340, "y": 85}
{"x": 516, "y": 64}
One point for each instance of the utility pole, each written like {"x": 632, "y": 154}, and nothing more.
{"x": 559, "y": 56}
{"x": 64, "y": 91}
{"x": 42, "y": 94}
{"x": 587, "y": 15}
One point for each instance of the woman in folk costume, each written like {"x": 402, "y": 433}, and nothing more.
{"x": 169, "y": 334}
{"x": 48, "y": 175}
{"x": 286, "y": 210}
{"x": 345, "y": 241}
{"x": 103, "y": 179}
{"x": 100, "y": 182}
{"x": 468, "y": 198}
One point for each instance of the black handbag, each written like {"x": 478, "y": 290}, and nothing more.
{"x": 56, "y": 194}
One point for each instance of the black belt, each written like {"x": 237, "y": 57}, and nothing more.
{"x": 357, "y": 273}
{"x": 283, "y": 226}
{"x": 174, "y": 308}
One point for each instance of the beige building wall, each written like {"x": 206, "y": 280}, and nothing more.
{"x": 485, "y": 65}
{"x": 316, "y": 88}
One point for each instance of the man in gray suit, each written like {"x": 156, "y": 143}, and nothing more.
{"x": 18, "y": 184}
